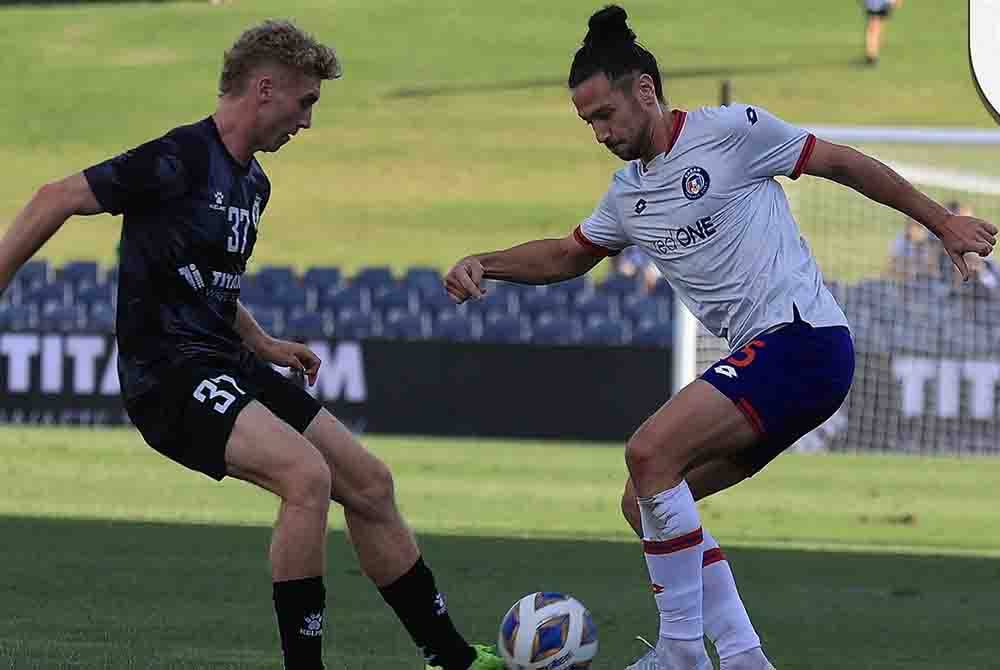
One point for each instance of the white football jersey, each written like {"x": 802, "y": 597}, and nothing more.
{"x": 718, "y": 225}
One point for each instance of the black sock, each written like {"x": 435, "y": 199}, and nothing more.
{"x": 299, "y": 604}
{"x": 422, "y": 611}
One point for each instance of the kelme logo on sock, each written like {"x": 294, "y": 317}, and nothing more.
{"x": 313, "y": 626}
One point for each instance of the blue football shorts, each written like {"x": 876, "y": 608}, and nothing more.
{"x": 786, "y": 381}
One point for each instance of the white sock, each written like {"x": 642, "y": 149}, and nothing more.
{"x": 727, "y": 623}
{"x": 672, "y": 543}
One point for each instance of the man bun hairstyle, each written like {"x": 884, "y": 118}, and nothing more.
{"x": 276, "y": 42}
{"x": 611, "y": 47}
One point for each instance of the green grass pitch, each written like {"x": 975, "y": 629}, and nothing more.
{"x": 115, "y": 558}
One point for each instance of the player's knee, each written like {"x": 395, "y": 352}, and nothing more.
{"x": 630, "y": 507}
{"x": 640, "y": 454}
{"x": 308, "y": 484}
{"x": 374, "y": 498}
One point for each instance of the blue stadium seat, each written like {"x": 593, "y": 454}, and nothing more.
{"x": 605, "y": 332}
{"x": 390, "y": 297}
{"x": 500, "y": 298}
{"x": 646, "y": 308}
{"x": 353, "y": 324}
{"x": 619, "y": 285}
{"x": 49, "y": 295}
{"x": 274, "y": 277}
{"x": 322, "y": 278}
{"x": 373, "y": 277}
{"x": 16, "y": 318}
{"x": 306, "y": 325}
{"x": 89, "y": 296}
{"x": 62, "y": 319}
{"x": 424, "y": 280}
{"x": 504, "y": 328}
{"x": 438, "y": 303}
{"x": 556, "y": 330}
{"x": 455, "y": 327}
{"x": 541, "y": 299}
{"x": 290, "y": 298}
{"x": 78, "y": 272}
{"x": 402, "y": 325}
{"x": 573, "y": 288}
{"x": 102, "y": 318}
{"x": 596, "y": 306}
{"x": 32, "y": 273}
{"x": 653, "y": 334}
{"x": 269, "y": 320}
{"x": 344, "y": 297}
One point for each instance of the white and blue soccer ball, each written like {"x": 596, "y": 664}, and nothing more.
{"x": 548, "y": 631}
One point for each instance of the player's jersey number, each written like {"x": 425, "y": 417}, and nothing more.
{"x": 209, "y": 389}
{"x": 239, "y": 221}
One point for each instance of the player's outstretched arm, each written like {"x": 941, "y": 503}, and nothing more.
{"x": 44, "y": 214}
{"x": 959, "y": 234}
{"x": 536, "y": 262}
{"x": 283, "y": 353}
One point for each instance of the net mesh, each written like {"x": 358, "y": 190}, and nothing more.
{"x": 928, "y": 345}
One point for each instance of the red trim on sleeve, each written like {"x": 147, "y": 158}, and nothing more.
{"x": 593, "y": 249}
{"x": 657, "y": 547}
{"x": 712, "y": 556}
{"x": 752, "y": 416}
{"x": 679, "y": 118}
{"x": 807, "y": 150}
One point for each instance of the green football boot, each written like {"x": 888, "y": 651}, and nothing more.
{"x": 486, "y": 659}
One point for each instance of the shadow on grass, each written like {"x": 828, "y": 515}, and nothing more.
{"x": 721, "y": 71}
{"x": 97, "y": 594}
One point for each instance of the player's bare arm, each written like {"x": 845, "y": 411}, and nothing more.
{"x": 272, "y": 350}
{"x": 535, "y": 262}
{"x": 959, "y": 234}
{"x": 44, "y": 214}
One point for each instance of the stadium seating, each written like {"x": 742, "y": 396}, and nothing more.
{"x": 920, "y": 317}
{"x": 454, "y": 327}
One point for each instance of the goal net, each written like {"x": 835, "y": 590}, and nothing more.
{"x": 927, "y": 378}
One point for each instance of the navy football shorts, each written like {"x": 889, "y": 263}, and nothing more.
{"x": 786, "y": 382}
{"x": 190, "y": 415}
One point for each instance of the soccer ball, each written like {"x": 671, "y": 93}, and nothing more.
{"x": 548, "y": 631}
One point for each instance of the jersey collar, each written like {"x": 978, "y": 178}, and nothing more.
{"x": 679, "y": 116}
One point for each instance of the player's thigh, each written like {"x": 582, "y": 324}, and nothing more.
{"x": 360, "y": 479}
{"x": 697, "y": 425}
{"x": 266, "y": 451}
{"x": 189, "y": 414}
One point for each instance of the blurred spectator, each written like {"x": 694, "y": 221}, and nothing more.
{"x": 634, "y": 262}
{"x": 982, "y": 271}
{"x": 877, "y": 12}
{"x": 915, "y": 254}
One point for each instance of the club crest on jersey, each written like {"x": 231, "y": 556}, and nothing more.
{"x": 695, "y": 182}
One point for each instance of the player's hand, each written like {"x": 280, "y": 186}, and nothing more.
{"x": 465, "y": 280}
{"x": 291, "y": 355}
{"x": 961, "y": 235}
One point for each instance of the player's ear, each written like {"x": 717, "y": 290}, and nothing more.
{"x": 645, "y": 90}
{"x": 264, "y": 87}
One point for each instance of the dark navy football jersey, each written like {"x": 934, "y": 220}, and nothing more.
{"x": 191, "y": 216}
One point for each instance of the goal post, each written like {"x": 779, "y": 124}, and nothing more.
{"x": 927, "y": 378}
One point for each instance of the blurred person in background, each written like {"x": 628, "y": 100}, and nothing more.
{"x": 915, "y": 254}
{"x": 876, "y": 13}
{"x": 195, "y": 366}
{"x": 633, "y": 262}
